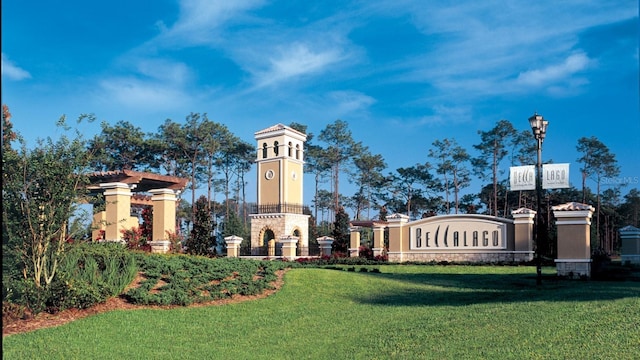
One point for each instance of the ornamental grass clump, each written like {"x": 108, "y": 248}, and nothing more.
{"x": 88, "y": 274}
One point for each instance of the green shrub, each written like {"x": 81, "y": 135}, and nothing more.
{"x": 195, "y": 279}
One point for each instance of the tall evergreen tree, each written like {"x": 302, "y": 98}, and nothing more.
{"x": 451, "y": 159}
{"x": 492, "y": 148}
{"x": 185, "y": 143}
{"x": 597, "y": 162}
{"x": 122, "y": 146}
{"x": 233, "y": 225}
{"x": 630, "y": 209}
{"x": 341, "y": 149}
{"x": 340, "y": 233}
{"x": 409, "y": 190}
{"x": 369, "y": 179}
{"x": 201, "y": 240}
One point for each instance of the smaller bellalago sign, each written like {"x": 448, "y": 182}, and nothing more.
{"x": 554, "y": 176}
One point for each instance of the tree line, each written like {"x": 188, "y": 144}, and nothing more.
{"x": 212, "y": 157}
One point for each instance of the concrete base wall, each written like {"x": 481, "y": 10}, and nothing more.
{"x": 632, "y": 259}
{"x": 160, "y": 246}
{"x": 574, "y": 269}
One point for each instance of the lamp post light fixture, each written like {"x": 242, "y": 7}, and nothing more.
{"x": 539, "y": 128}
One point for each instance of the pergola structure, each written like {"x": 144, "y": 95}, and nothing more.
{"x": 123, "y": 189}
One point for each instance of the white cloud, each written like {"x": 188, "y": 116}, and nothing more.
{"x": 476, "y": 48}
{"x": 199, "y": 21}
{"x": 147, "y": 83}
{"x": 555, "y": 72}
{"x": 138, "y": 94}
{"x": 175, "y": 73}
{"x": 294, "y": 61}
{"x": 347, "y": 102}
{"x": 446, "y": 115}
{"x": 267, "y": 49}
{"x": 12, "y": 71}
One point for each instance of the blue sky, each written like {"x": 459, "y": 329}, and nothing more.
{"x": 401, "y": 73}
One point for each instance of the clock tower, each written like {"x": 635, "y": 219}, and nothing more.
{"x": 280, "y": 154}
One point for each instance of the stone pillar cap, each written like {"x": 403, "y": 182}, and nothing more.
{"x": 114, "y": 185}
{"x": 629, "y": 229}
{"x": 397, "y": 218}
{"x": 572, "y": 206}
{"x": 523, "y": 210}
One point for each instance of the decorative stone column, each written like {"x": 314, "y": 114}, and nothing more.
{"x": 164, "y": 219}
{"x": 354, "y": 241}
{"x": 523, "y": 220}
{"x": 378, "y": 239}
{"x": 117, "y": 197}
{"x": 325, "y": 243}
{"x": 398, "y": 236}
{"x": 289, "y": 245}
{"x": 233, "y": 245}
{"x": 574, "y": 239}
{"x": 630, "y": 250}
{"x": 271, "y": 248}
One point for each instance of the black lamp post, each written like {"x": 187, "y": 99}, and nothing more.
{"x": 539, "y": 128}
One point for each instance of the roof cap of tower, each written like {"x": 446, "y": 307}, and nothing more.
{"x": 279, "y": 129}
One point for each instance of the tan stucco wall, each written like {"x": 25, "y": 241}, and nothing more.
{"x": 269, "y": 189}
{"x": 164, "y": 213}
{"x": 523, "y": 233}
{"x": 573, "y": 222}
{"x": 118, "y": 209}
{"x": 354, "y": 239}
{"x": 134, "y": 222}
{"x": 574, "y": 241}
{"x": 378, "y": 237}
{"x": 292, "y": 184}
{"x": 398, "y": 236}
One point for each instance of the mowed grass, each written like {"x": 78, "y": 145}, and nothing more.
{"x": 404, "y": 312}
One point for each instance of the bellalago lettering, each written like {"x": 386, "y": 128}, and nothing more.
{"x": 451, "y": 238}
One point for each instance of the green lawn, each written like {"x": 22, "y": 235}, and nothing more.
{"x": 404, "y": 312}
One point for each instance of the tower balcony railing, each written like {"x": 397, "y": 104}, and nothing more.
{"x": 286, "y": 208}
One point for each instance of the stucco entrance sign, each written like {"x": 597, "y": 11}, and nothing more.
{"x": 462, "y": 238}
